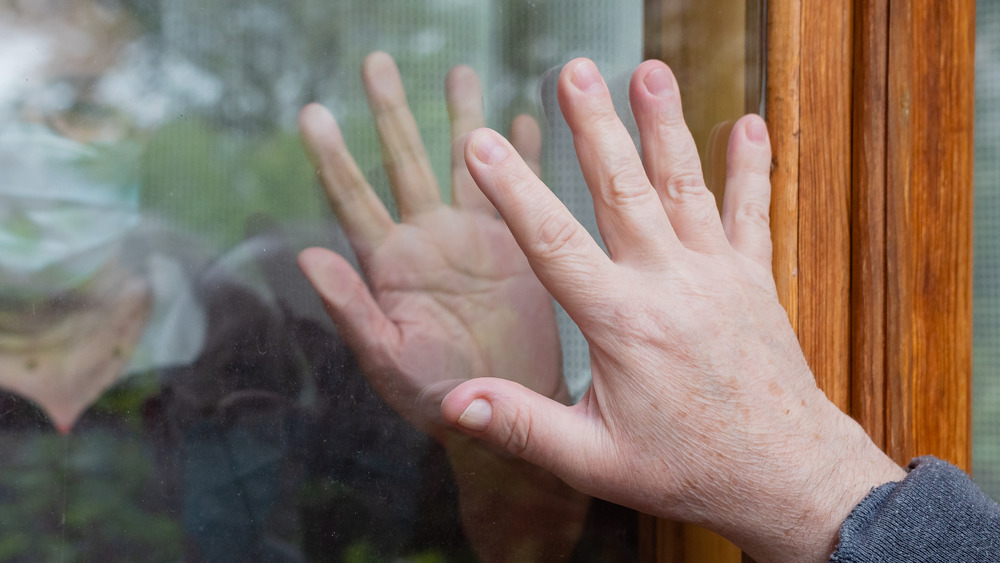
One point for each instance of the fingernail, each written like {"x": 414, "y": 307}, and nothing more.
{"x": 659, "y": 83}
{"x": 488, "y": 149}
{"x": 586, "y": 77}
{"x": 477, "y": 416}
{"x": 757, "y": 131}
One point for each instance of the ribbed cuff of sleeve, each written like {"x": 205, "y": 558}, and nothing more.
{"x": 935, "y": 514}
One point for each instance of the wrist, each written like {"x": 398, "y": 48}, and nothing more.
{"x": 829, "y": 471}
{"x": 854, "y": 468}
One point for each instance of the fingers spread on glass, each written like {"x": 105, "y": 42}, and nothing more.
{"x": 745, "y": 210}
{"x": 671, "y": 158}
{"x": 562, "y": 253}
{"x": 411, "y": 177}
{"x": 628, "y": 211}
{"x": 447, "y": 294}
{"x": 361, "y": 213}
{"x": 674, "y": 331}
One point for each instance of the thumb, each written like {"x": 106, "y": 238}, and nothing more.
{"x": 540, "y": 430}
{"x": 357, "y": 316}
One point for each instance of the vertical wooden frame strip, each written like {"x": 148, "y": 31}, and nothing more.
{"x": 929, "y": 229}
{"x": 870, "y": 108}
{"x": 782, "y": 100}
{"x": 824, "y": 242}
{"x": 868, "y": 267}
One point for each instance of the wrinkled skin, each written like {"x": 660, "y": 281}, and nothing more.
{"x": 702, "y": 407}
{"x": 447, "y": 296}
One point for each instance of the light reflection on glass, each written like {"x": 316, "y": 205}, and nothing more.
{"x": 174, "y": 389}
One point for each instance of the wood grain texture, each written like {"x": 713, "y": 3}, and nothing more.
{"x": 782, "y": 100}
{"x": 824, "y": 257}
{"x": 929, "y": 229}
{"x": 870, "y": 108}
{"x": 701, "y": 545}
{"x": 868, "y": 266}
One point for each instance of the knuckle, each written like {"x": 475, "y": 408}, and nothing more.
{"x": 557, "y": 236}
{"x": 521, "y": 188}
{"x": 519, "y": 433}
{"x": 683, "y": 186}
{"x": 685, "y": 193}
{"x": 624, "y": 186}
{"x": 753, "y": 213}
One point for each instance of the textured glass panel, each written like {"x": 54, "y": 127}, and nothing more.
{"x": 986, "y": 292}
{"x": 172, "y": 388}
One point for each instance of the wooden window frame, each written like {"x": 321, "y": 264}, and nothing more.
{"x": 870, "y": 105}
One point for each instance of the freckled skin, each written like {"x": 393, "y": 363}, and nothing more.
{"x": 702, "y": 406}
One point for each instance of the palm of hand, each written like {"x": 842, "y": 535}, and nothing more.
{"x": 450, "y": 295}
{"x": 463, "y": 303}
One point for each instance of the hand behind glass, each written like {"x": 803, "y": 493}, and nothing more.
{"x": 451, "y": 298}
{"x": 450, "y": 295}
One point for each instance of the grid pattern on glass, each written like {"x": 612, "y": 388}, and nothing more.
{"x": 205, "y": 408}
{"x": 209, "y": 410}
{"x": 986, "y": 293}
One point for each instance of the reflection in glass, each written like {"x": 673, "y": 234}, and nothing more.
{"x": 172, "y": 387}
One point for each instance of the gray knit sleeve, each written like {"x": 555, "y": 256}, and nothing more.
{"x": 936, "y": 514}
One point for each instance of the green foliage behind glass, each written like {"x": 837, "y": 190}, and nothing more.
{"x": 76, "y": 501}
{"x": 209, "y": 181}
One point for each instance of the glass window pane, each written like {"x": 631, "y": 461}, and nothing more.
{"x": 986, "y": 290}
{"x": 172, "y": 387}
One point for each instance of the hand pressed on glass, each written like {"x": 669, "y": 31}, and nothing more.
{"x": 702, "y": 407}
{"x": 449, "y": 297}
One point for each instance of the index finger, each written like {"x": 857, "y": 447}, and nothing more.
{"x": 563, "y": 255}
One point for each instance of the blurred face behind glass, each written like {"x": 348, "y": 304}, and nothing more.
{"x": 69, "y": 195}
{"x": 68, "y": 157}
{"x": 54, "y": 62}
